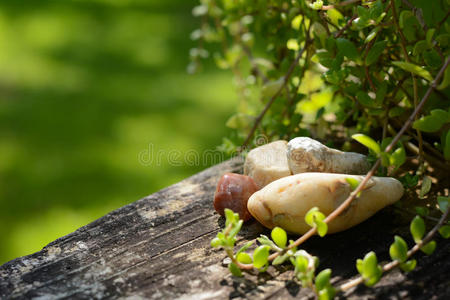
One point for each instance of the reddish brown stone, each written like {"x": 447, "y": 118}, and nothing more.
{"x": 233, "y": 191}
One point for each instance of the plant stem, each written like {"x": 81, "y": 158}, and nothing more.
{"x": 389, "y": 266}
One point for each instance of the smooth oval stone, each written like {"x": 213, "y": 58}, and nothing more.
{"x": 233, "y": 191}
{"x": 286, "y": 201}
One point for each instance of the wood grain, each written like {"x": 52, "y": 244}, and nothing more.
{"x": 158, "y": 248}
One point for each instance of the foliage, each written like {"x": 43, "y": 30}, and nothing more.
{"x": 367, "y": 70}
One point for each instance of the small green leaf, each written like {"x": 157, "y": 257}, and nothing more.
{"x": 420, "y": 47}
{"x": 352, "y": 182}
{"x": 216, "y": 242}
{"x": 446, "y": 81}
{"x": 234, "y": 269}
{"x": 398, "y": 157}
{"x": 398, "y": 250}
{"x": 359, "y": 266}
{"x": 245, "y": 247}
{"x": 272, "y": 87}
{"x": 323, "y": 279}
{"x": 432, "y": 122}
{"x": 429, "y": 36}
{"x": 364, "y": 99}
{"x": 445, "y": 231}
{"x": 368, "y": 142}
{"x": 375, "y": 52}
{"x": 279, "y": 236}
{"x": 415, "y": 69}
{"x": 280, "y": 259}
{"x": 422, "y": 211}
{"x": 429, "y": 248}
{"x": 260, "y": 256}
{"x": 229, "y": 216}
{"x": 370, "y": 264}
{"x": 335, "y": 16}
{"x": 301, "y": 263}
{"x": 322, "y": 228}
{"x": 409, "y": 265}
{"x": 244, "y": 258}
{"x": 327, "y": 293}
{"x": 417, "y": 228}
{"x": 443, "y": 203}
{"x": 425, "y": 188}
{"x": 347, "y": 48}
{"x": 236, "y": 228}
{"x": 264, "y": 240}
{"x": 447, "y": 146}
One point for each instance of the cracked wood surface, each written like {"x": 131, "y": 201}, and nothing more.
{"x": 158, "y": 248}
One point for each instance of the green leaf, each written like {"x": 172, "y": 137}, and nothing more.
{"x": 236, "y": 228}
{"x": 370, "y": 264}
{"x": 429, "y": 248}
{"x": 445, "y": 231}
{"x": 446, "y": 81}
{"x": 313, "y": 216}
{"x": 415, "y": 69}
{"x": 422, "y": 211}
{"x": 432, "y": 58}
{"x": 323, "y": 279}
{"x": 322, "y": 228}
{"x": 245, "y": 247}
{"x": 280, "y": 259}
{"x": 443, "y": 202}
{"x": 359, "y": 266}
{"x": 417, "y": 228}
{"x": 335, "y": 16}
{"x": 375, "y": 52}
{"x": 398, "y": 157}
{"x": 447, "y": 146}
{"x": 385, "y": 159}
{"x": 301, "y": 263}
{"x": 420, "y": 47}
{"x": 279, "y": 236}
{"x": 216, "y": 242}
{"x": 234, "y": 269}
{"x": 364, "y": 99}
{"x": 352, "y": 182}
{"x": 409, "y": 265}
{"x": 260, "y": 256}
{"x": 426, "y": 186}
{"x": 347, "y": 48}
{"x": 327, "y": 293}
{"x": 432, "y": 122}
{"x": 229, "y": 216}
{"x": 429, "y": 36}
{"x": 264, "y": 240}
{"x": 398, "y": 250}
{"x": 244, "y": 258}
{"x": 272, "y": 87}
{"x": 367, "y": 141}
{"x": 372, "y": 35}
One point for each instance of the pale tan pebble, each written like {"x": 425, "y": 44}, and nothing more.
{"x": 286, "y": 201}
{"x": 267, "y": 163}
{"x": 307, "y": 155}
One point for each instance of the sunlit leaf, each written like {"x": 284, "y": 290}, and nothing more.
{"x": 415, "y": 69}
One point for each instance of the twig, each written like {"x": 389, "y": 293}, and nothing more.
{"x": 349, "y": 23}
{"x": 270, "y": 102}
{"x": 389, "y": 266}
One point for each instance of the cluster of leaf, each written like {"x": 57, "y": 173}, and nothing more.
{"x": 304, "y": 264}
{"x": 364, "y": 65}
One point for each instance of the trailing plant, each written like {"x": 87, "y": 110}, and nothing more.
{"x": 372, "y": 70}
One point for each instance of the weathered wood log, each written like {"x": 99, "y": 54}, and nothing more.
{"x": 158, "y": 248}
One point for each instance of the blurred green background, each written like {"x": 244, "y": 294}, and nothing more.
{"x": 85, "y": 86}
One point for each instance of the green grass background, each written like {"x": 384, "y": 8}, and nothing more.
{"x": 85, "y": 86}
